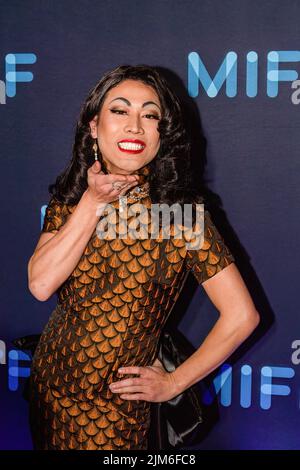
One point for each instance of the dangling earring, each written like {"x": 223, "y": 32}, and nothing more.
{"x": 95, "y": 148}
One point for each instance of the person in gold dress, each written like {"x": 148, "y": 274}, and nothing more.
{"x": 114, "y": 294}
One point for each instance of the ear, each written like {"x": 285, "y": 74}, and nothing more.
{"x": 93, "y": 125}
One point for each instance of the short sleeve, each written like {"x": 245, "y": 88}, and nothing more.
{"x": 55, "y": 216}
{"x": 212, "y": 257}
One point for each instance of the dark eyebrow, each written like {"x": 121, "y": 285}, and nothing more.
{"x": 129, "y": 104}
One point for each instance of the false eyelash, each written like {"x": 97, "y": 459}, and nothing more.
{"x": 116, "y": 111}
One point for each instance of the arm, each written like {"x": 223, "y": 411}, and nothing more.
{"x": 57, "y": 254}
{"x": 238, "y": 318}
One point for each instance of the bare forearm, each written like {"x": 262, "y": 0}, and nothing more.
{"x": 54, "y": 261}
{"x": 220, "y": 343}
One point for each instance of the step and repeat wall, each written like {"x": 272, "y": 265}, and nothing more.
{"x": 235, "y": 65}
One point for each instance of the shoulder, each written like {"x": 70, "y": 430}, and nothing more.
{"x": 59, "y": 206}
{"x": 56, "y": 214}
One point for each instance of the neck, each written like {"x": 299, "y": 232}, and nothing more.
{"x": 142, "y": 172}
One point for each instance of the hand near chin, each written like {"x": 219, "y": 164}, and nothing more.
{"x": 107, "y": 188}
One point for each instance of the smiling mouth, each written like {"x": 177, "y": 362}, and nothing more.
{"x": 131, "y": 147}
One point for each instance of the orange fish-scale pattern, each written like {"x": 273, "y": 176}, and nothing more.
{"x": 110, "y": 313}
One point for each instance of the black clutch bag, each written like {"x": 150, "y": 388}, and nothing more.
{"x": 178, "y": 421}
{"x": 27, "y": 344}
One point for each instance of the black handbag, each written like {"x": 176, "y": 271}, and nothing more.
{"x": 178, "y": 421}
{"x": 27, "y": 344}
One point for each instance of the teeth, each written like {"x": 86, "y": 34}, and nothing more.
{"x": 130, "y": 146}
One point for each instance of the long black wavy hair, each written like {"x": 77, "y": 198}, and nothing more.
{"x": 170, "y": 179}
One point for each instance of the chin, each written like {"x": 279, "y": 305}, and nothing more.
{"x": 130, "y": 166}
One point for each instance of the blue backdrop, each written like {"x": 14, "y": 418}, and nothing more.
{"x": 237, "y": 63}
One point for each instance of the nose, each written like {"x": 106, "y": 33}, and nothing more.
{"x": 134, "y": 125}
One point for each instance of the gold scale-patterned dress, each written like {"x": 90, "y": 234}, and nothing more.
{"x": 110, "y": 313}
